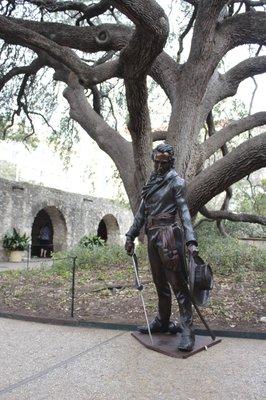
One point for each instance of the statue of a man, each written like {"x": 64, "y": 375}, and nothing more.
{"x": 162, "y": 198}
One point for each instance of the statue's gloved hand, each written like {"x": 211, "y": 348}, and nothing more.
{"x": 193, "y": 249}
{"x": 129, "y": 246}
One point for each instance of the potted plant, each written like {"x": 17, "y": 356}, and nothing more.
{"x": 15, "y": 244}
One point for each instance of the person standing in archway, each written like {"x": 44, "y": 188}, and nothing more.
{"x": 44, "y": 240}
{"x": 163, "y": 197}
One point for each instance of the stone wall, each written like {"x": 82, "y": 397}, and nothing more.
{"x": 72, "y": 215}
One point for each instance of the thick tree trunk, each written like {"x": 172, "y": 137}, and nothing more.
{"x": 183, "y": 132}
{"x": 140, "y": 129}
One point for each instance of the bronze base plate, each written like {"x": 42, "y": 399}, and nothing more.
{"x": 167, "y": 344}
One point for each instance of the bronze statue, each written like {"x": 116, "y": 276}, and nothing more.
{"x": 162, "y": 198}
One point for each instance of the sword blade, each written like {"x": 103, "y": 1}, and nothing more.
{"x": 141, "y": 296}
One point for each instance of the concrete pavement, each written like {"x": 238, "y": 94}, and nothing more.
{"x": 32, "y": 264}
{"x": 40, "y": 361}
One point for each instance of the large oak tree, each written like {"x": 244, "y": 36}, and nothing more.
{"x": 60, "y": 32}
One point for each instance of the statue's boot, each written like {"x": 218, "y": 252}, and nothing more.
{"x": 187, "y": 337}
{"x": 157, "y": 326}
{"x": 187, "y": 340}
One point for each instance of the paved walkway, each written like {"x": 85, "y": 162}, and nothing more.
{"x": 41, "y": 361}
{"x": 33, "y": 263}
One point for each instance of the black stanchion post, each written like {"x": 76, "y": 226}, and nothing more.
{"x": 73, "y": 286}
{"x": 28, "y": 255}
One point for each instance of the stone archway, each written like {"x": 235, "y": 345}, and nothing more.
{"x": 108, "y": 229}
{"x": 54, "y": 219}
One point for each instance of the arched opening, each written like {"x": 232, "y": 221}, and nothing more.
{"x": 108, "y": 229}
{"x": 41, "y": 220}
{"x": 102, "y": 230}
{"x": 48, "y": 232}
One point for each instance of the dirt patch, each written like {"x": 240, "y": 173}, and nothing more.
{"x": 108, "y": 294}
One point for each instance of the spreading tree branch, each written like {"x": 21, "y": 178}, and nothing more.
{"x": 245, "y": 69}
{"x": 219, "y": 138}
{"x": 158, "y": 135}
{"x": 201, "y": 222}
{"x": 225, "y": 85}
{"x": 204, "y": 30}
{"x": 17, "y": 34}
{"x": 88, "y": 12}
{"x": 56, "y": 6}
{"x": 31, "y": 69}
{"x": 244, "y": 28}
{"x": 105, "y": 37}
{"x": 242, "y": 217}
{"x": 250, "y": 3}
{"x": 107, "y": 138}
{"x": 240, "y": 162}
{"x": 205, "y": 49}
{"x": 212, "y": 40}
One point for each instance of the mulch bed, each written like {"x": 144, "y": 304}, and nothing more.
{"x": 108, "y": 294}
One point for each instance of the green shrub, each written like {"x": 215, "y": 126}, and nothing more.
{"x": 91, "y": 241}
{"x": 62, "y": 265}
{"x": 228, "y": 255}
{"x": 89, "y": 257}
{"x": 107, "y": 256}
{"x": 243, "y": 229}
{"x": 15, "y": 241}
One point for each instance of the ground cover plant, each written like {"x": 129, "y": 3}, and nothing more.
{"x": 105, "y": 284}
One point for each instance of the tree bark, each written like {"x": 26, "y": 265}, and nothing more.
{"x": 193, "y": 88}
{"x": 218, "y": 139}
{"x": 240, "y": 162}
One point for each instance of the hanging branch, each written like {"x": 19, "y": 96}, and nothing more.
{"x": 210, "y": 124}
{"x": 96, "y": 94}
{"x": 254, "y": 91}
{"x": 31, "y": 69}
{"x": 225, "y": 207}
{"x": 19, "y": 103}
{"x": 44, "y": 118}
{"x": 111, "y": 108}
{"x": 184, "y": 34}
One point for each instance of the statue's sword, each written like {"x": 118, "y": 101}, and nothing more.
{"x": 140, "y": 289}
